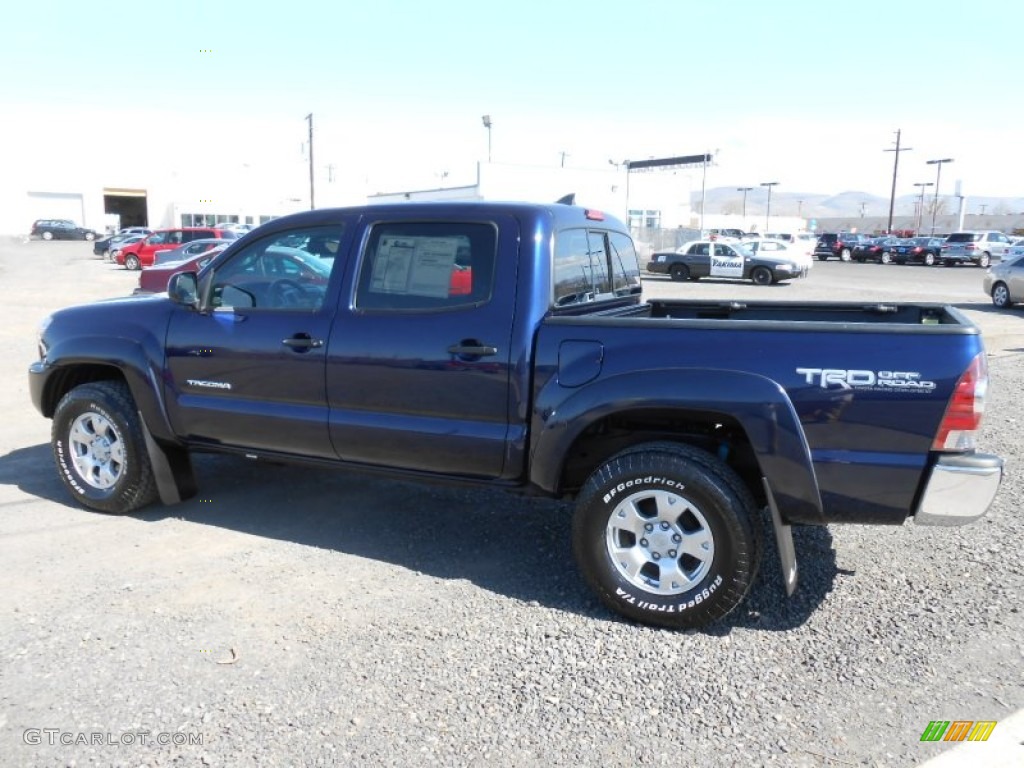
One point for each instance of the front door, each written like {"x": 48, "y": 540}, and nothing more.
{"x": 249, "y": 373}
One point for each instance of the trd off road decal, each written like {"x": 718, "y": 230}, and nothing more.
{"x": 889, "y": 381}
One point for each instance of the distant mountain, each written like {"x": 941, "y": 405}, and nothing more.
{"x": 845, "y": 204}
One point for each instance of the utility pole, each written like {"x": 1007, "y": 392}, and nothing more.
{"x": 895, "y": 167}
{"x": 564, "y": 155}
{"x": 768, "y": 212}
{"x": 312, "y": 204}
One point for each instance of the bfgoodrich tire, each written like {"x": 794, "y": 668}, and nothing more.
{"x": 100, "y": 450}
{"x": 664, "y": 535}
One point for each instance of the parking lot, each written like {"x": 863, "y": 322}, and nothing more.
{"x": 292, "y": 616}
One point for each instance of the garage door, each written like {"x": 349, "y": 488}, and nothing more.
{"x": 55, "y": 205}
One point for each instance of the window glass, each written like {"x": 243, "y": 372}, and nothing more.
{"x": 277, "y": 272}
{"x": 427, "y": 266}
{"x": 625, "y": 265}
{"x": 599, "y": 262}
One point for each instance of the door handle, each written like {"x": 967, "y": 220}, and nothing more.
{"x": 471, "y": 348}
{"x": 301, "y": 342}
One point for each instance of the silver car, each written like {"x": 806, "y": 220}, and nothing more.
{"x": 1004, "y": 282}
{"x": 980, "y": 247}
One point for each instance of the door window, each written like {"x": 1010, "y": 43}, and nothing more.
{"x": 276, "y": 272}
{"x": 409, "y": 266}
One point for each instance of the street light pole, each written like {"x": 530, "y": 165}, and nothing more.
{"x": 487, "y": 125}
{"x": 312, "y": 204}
{"x": 744, "y": 190}
{"x": 920, "y": 207}
{"x": 768, "y": 212}
{"x": 938, "y": 177}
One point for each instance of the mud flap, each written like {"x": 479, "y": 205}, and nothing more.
{"x": 172, "y": 470}
{"x": 784, "y": 542}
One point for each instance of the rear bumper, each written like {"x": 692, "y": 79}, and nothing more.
{"x": 960, "y": 489}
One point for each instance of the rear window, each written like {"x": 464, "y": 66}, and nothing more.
{"x": 963, "y": 237}
{"x": 593, "y": 265}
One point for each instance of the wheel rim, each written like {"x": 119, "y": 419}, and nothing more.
{"x": 762, "y": 276}
{"x": 845, "y": 255}
{"x": 678, "y": 272}
{"x": 886, "y": 258}
{"x": 985, "y": 260}
{"x": 660, "y": 542}
{"x": 97, "y": 450}
{"x": 929, "y": 260}
{"x": 47, "y": 236}
{"x": 1000, "y": 295}
{"x": 131, "y": 262}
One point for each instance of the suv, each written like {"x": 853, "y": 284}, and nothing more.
{"x": 142, "y": 254}
{"x": 61, "y": 229}
{"x": 975, "y": 247}
{"x": 838, "y": 244}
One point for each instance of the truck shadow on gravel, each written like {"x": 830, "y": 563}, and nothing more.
{"x": 509, "y": 545}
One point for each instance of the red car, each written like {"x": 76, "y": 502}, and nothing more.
{"x": 140, "y": 254}
{"x": 155, "y": 279}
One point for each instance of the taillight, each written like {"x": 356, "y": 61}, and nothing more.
{"x": 962, "y": 419}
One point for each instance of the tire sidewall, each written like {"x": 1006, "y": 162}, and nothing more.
{"x": 710, "y": 598}
{"x": 91, "y": 400}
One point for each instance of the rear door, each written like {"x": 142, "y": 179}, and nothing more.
{"x": 418, "y": 365}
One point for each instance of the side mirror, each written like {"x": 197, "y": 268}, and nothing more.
{"x": 184, "y": 289}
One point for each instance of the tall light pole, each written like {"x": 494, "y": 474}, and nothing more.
{"x": 938, "y": 177}
{"x": 744, "y": 190}
{"x": 920, "y": 207}
{"x": 487, "y": 125}
{"x": 312, "y": 204}
{"x": 768, "y": 212}
{"x": 799, "y": 209}
{"x": 895, "y": 165}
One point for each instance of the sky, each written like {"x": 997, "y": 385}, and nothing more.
{"x": 808, "y": 94}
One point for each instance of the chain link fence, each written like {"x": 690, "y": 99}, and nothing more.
{"x": 651, "y": 239}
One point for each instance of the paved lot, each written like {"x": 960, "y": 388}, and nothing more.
{"x": 373, "y": 622}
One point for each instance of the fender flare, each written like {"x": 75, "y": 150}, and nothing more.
{"x": 759, "y": 404}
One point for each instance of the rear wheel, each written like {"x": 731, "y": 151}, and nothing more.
{"x": 89, "y": 236}
{"x": 844, "y": 255}
{"x": 1001, "y": 295}
{"x": 984, "y": 260}
{"x": 47, "y": 235}
{"x": 679, "y": 272}
{"x": 929, "y": 259}
{"x": 665, "y": 535}
{"x": 100, "y": 450}
{"x": 761, "y": 276}
{"x": 886, "y": 257}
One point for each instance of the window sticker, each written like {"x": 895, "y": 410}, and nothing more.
{"x": 414, "y": 266}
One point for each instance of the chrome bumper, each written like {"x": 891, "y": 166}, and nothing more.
{"x": 960, "y": 489}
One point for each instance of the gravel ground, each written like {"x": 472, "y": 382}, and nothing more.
{"x": 292, "y": 616}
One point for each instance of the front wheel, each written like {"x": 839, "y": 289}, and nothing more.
{"x": 1001, "y": 295}
{"x": 679, "y": 272}
{"x": 886, "y": 257}
{"x": 131, "y": 261}
{"x": 664, "y": 534}
{"x": 100, "y": 449}
{"x": 761, "y": 276}
{"x": 929, "y": 259}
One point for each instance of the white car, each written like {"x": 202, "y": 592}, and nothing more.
{"x": 796, "y": 250}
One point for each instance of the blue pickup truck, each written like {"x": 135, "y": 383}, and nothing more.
{"x": 509, "y": 345}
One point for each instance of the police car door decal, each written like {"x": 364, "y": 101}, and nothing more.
{"x": 725, "y": 262}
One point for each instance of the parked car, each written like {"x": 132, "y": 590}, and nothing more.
{"x": 708, "y": 258}
{"x": 134, "y": 231}
{"x": 188, "y": 250}
{"x": 981, "y": 248}
{"x": 877, "y": 249}
{"x": 155, "y": 279}
{"x": 838, "y": 244}
{"x": 780, "y": 249}
{"x": 105, "y": 245}
{"x": 918, "y": 250}
{"x": 114, "y": 251}
{"x": 140, "y": 254}
{"x": 61, "y": 229}
{"x": 1004, "y": 281}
